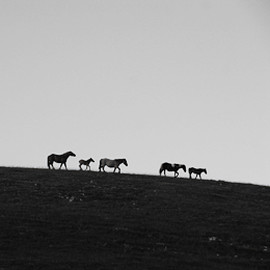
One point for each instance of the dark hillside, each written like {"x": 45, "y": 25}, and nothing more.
{"x": 89, "y": 220}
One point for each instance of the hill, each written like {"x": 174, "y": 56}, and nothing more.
{"x": 90, "y": 220}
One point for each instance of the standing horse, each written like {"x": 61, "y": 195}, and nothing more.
{"x": 197, "y": 172}
{"x": 115, "y": 163}
{"x": 59, "y": 159}
{"x": 86, "y": 163}
{"x": 171, "y": 168}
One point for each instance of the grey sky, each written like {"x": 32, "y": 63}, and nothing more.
{"x": 152, "y": 81}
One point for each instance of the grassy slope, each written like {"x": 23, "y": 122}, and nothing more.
{"x": 88, "y": 220}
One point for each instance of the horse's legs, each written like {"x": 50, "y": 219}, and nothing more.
{"x": 163, "y": 170}
{"x": 190, "y": 176}
{"x": 80, "y": 166}
{"x": 65, "y": 165}
{"x": 50, "y": 165}
{"x": 119, "y": 171}
{"x": 176, "y": 174}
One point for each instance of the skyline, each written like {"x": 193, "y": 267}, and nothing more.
{"x": 181, "y": 82}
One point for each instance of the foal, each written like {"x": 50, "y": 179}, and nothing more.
{"x": 197, "y": 172}
{"x": 86, "y": 163}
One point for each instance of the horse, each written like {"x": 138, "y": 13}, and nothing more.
{"x": 171, "y": 168}
{"x": 59, "y": 159}
{"x": 115, "y": 163}
{"x": 86, "y": 163}
{"x": 198, "y": 172}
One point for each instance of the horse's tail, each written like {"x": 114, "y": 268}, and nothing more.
{"x": 161, "y": 169}
{"x": 100, "y": 164}
{"x": 191, "y": 171}
{"x": 49, "y": 161}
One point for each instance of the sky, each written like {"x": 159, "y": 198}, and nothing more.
{"x": 151, "y": 81}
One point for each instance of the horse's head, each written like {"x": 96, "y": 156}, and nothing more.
{"x": 205, "y": 171}
{"x": 71, "y": 154}
{"x": 125, "y": 162}
{"x": 91, "y": 160}
{"x": 184, "y": 167}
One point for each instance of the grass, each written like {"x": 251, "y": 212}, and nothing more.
{"x": 89, "y": 220}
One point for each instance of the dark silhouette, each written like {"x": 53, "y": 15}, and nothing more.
{"x": 171, "y": 168}
{"x": 59, "y": 159}
{"x": 197, "y": 172}
{"x": 115, "y": 163}
{"x": 86, "y": 163}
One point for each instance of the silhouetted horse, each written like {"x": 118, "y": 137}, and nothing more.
{"x": 197, "y": 172}
{"x": 86, "y": 163}
{"x": 115, "y": 163}
{"x": 59, "y": 159}
{"x": 171, "y": 168}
